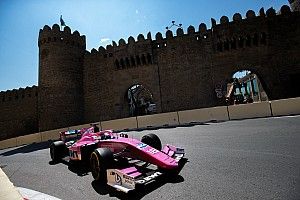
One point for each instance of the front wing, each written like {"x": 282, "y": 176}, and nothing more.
{"x": 130, "y": 178}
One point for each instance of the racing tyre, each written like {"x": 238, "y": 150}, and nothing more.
{"x": 101, "y": 159}
{"x": 152, "y": 140}
{"x": 58, "y": 150}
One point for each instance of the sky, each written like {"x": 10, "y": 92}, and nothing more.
{"x": 101, "y": 21}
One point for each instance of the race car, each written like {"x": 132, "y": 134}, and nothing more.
{"x": 122, "y": 162}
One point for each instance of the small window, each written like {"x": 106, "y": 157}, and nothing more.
{"x": 255, "y": 39}
{"x": 144, "y": 60}
{"x": 117, "y": 64}
{"x": 138, "y": 60}
{"x": 241, "y": 42}
{"x": 233, "y": 43}
{"x": 226, "y": 45}
{"x": 149, "y": 58}
{"x": 122, "y": 63}
{"x": 127, "y": 62}
{"x": 219, "y": 47}
{"x": 263, "y": 38}
{"x": 132, "y": 61}
{"x": 248, "y": 41}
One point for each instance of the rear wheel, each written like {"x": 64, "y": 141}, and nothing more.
{"x": 58, "y": 150}
{"x": 152, "y": 140}
{"x": 101, "y": 159}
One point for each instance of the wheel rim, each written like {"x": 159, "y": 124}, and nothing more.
{"x": 95, "y": 166}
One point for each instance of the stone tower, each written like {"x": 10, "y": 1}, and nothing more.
{"x": 295, "y": 5}
{"x": 60, "y": 98}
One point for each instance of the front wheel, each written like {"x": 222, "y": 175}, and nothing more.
{"x": 101, "y": 159}
{"x": 152, "y": 140}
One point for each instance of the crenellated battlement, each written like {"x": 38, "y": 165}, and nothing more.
{"x": 18, "y": 94}
{"x": 223, "y": 36}
{"x": 201, "y": 33}
{"x": 252, "y": 31}
{"x": 49, "y": 35}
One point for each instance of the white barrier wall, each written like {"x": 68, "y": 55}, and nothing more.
{"x": 158, "y": 120}
{"x": 286, "y": 106}
{"x": 120, "y": 124}
{"x": 4, "y": 144}
{"x": 78, "y": 127}
{"x": 253, "y": 110}
{"x": 203, "y": 115}
{"x": 50, "y": 135}
{"x": 29, "y": 139}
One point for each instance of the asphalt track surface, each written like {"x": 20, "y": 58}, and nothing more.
{"x": 247, "y": 159}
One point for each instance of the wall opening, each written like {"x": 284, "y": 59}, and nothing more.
{"x": 140, "y": 101}
{"x": 245, "y": 87}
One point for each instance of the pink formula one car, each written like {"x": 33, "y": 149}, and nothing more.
{"x": 123, "y": 163}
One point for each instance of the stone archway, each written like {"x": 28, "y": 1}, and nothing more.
{"x": 140, "y": 100}
{"x": 245, "y": 86}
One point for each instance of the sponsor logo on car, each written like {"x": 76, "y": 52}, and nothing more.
{"x": 142, "y": 145}
{"x": 148, "y": 178}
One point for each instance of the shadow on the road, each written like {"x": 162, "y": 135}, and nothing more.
{"x": 27, "y": 148}
{"x": 77, "y": 167}
{"x": 104, "y": 189}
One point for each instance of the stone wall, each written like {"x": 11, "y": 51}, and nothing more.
{"x": 19, "y": 114}
{"x": 60, "y": 77}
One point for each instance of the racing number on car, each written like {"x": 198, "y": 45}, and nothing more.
{"x": 152, "y": 151}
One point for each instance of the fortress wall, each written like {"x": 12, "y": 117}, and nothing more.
{"x": 184, "y": 64}
{"x": 260, "y": 44}
{"x": 18, "y": 112}
{"x": 285, "y": 49}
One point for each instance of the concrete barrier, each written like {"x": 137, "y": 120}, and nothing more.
{"x": 78, "y": 127}
{"x": 29, "y": 139}
{"x": 253, "y": 110}
{"x": 50, "y": 135}
{"x": 120, "y": 124}
{"x": 54, "y": 134}
{"x": 4, "y": 144}
{"x": 286, "y": 106}
{"x": 203, "y": 115}
{"x": 158, "y": 120}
